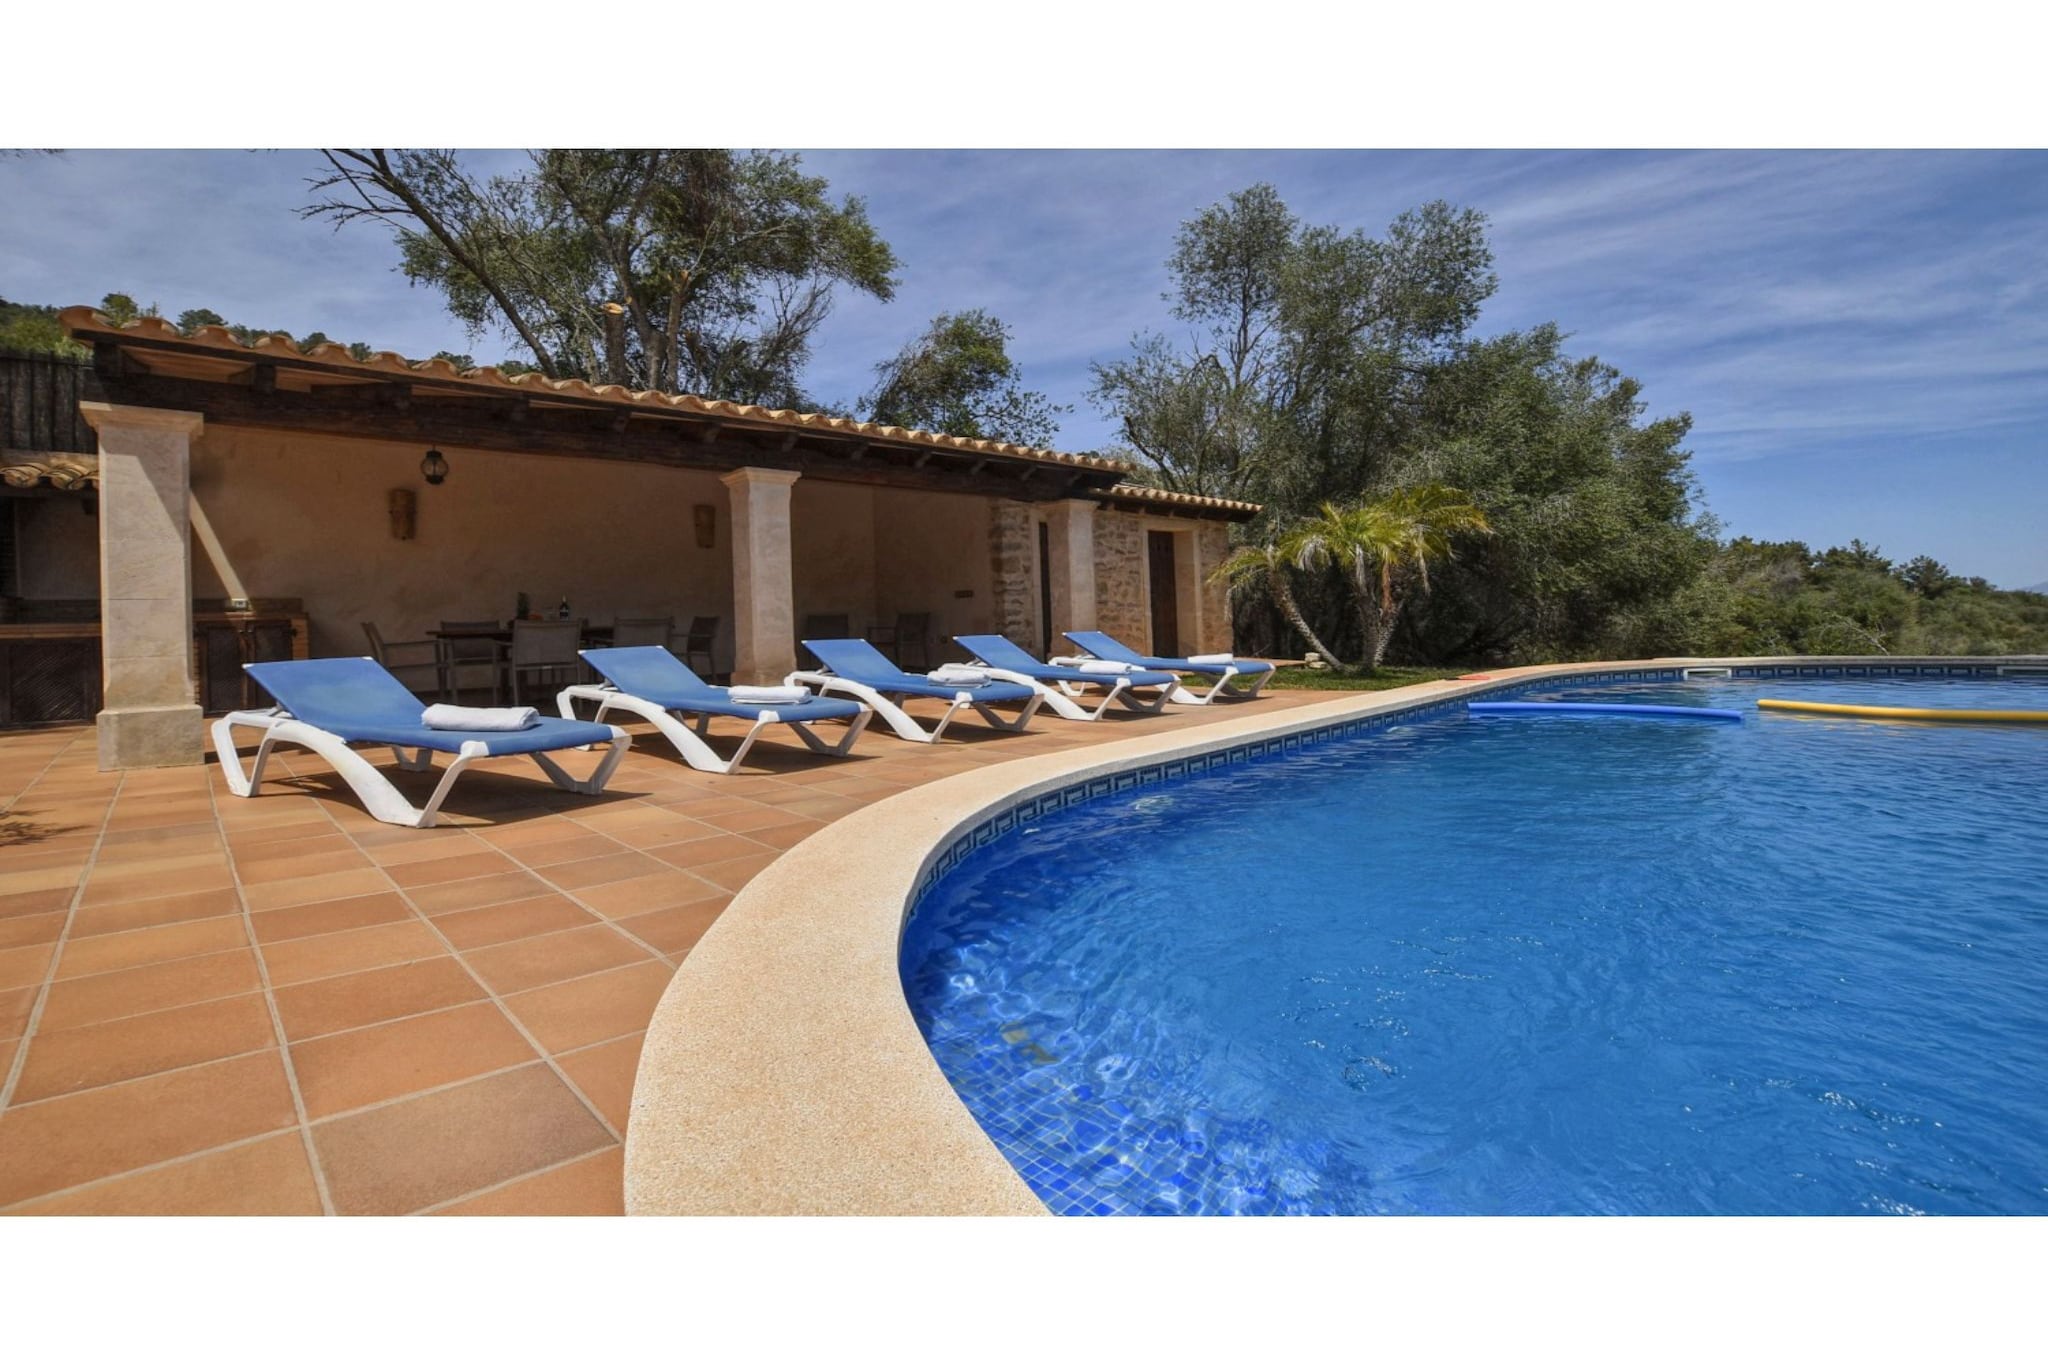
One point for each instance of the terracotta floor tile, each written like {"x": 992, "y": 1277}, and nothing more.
{"x": 530, "y": 962}
{"x": 746, "y": 821}
{"x": 252, "y": 852}
{"x": 786, "y": 837}
{"x": 331, "y": 886}
{"x": 455, "y": 868}
{"x": 824, "y": 807}
{"x": 370, "y": 997}
{"x": 268, "y": 1176}
{"x": 478, "y": 891}
{"x": 468, "y": 929}
{"x": 270, "y": 870}
{"x": 83, "y": 1000}
{"x": 591, "y": 1185}
{"x": 23, "y": 931}
{"x": 64, "y": 1142}
{"x": 735, "y": 873}
{"x": 432, "y": 1148}
{"x": 330, "y": 917}
{"x": 617, "y": 900}
{"x": 156, "y": 943}
{"x": 698, "y": 852}
{"x": 67, "y": 1060}
{"x": 675, "y": 930}
{"x": 15, "y": 1006}
{"x": 43, "y": 902}
{"x": 352, "y": 950}
{"x": 568, "y": 849}
{"x": 613, "y": 867}
{"x": 49, "y": 885}
{"x": 605, "y": 1076}
{"x": 111, "y": 884}
{"x": 366, "y": 1066}
{"x": 144, "y": 914}
{"x": 591, "y": 1009}
{"x": 25, "y": 966}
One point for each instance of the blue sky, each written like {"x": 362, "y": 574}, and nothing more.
{"x": 1862, "y": 338}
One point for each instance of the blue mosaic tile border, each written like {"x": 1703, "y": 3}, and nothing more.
{"x": 1031, "y": 808}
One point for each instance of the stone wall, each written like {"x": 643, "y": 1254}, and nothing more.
{"x": 1013, "y": 557}
{"x": 1121, "y": 607}
{"x": 1212, "y": 541}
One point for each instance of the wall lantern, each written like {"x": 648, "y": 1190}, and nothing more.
{"x": 706, "y": 518}
{"x": 434, "y": 467}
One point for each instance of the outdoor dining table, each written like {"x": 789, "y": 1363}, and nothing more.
{"x": 593, "y": 637}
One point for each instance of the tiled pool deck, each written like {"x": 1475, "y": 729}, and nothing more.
{"x": 279, "y": 1005}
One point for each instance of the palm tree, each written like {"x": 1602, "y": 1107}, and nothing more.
{"x": 1251, "y": 567}
{"x": 1383, "y": 548}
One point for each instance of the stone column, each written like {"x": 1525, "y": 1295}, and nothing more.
{"x": 1212, "y": 547}
{"x": 1013, "y": 555}
{"x": 763, "y": 584}
{"x": 151, "y": 715}
{"x": 1072, "y": 541}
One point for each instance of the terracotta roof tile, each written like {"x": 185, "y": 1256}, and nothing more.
{"x": 88, "y": 322}
{"x": 68, "y": 473}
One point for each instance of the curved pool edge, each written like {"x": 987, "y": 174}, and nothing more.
{"x": 783, "y": 1073}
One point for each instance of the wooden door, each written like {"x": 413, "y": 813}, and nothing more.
{"x": 1165, "y": 594}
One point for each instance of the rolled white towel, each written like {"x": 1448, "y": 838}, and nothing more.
{"x": 1212, "y": 658}
{"x": 442, "y": 716}
{"x": 1110, "y": 666}
{"x": 958, "y": 675}
{"x": 779, "y": 695}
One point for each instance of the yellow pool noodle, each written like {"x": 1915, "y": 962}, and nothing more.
{"x": 1829, "y": 708}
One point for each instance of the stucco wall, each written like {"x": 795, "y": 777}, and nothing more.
{"x": 929, "y": 549}
{"x": 832, "y": 545}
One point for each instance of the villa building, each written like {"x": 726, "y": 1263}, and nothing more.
{"x": 247, "y": 501}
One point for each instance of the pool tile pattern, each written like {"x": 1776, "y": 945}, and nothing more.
{"x": 278, "y": 1005}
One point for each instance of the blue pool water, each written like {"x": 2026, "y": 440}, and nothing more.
{"x": 1532, "y": 964}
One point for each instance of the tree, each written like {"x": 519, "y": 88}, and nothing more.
{"x": 705, "y": 270}
{"x": 1307, "y": 346}
{"x": 1382, "y": 549}
{"x": 1251, "y": 567}
{"x": 958, "y": 378}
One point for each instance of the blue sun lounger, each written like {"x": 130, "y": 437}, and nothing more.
{"x": 1060, "y": 686}
{"x": 326, "y": 705}
{"x": 857, "y": 669}
{"x": 649, "y": 682}
{"x": 1100, "y": 646}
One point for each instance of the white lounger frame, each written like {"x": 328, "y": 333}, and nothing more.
{"x": 900, "y": 721}
{"x": 1181, "y": 692}
{"x": 691, "y": 743}
{"x": 1062, "y": 696}
{"x": 374, "y": 789}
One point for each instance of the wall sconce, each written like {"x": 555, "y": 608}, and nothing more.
{"x": 434, "y": 467}
{"x": 404, "y": 508}
{"x": 705, "y": 516}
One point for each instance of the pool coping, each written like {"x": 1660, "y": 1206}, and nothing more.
{"x": 783, "y": 1073}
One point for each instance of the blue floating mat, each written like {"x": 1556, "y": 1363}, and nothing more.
{"x": 1596, "y": 708}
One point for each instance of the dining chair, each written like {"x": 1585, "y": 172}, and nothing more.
{"x": 545, "y": 650}
{"x": 698, "y": 642}
{"x": 911, "y": 634}
{"x": 454, "y": 655}
{"x": 642, "y": 630}
{"x": 386, "y": 653}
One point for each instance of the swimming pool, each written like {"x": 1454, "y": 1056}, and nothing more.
{"x": 1525, "y": 964}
